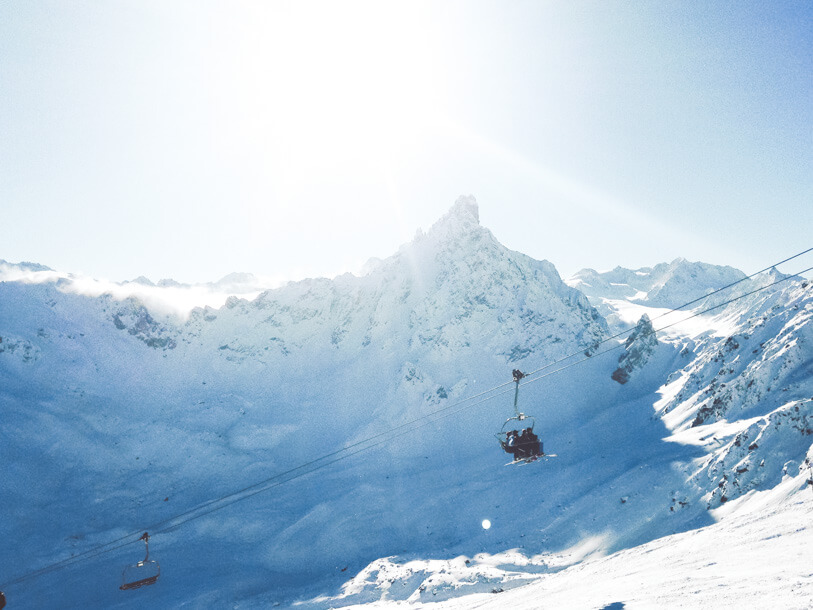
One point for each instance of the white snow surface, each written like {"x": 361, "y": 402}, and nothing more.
{"x": 690, "y": 484}
{"x": 758, "y": 557}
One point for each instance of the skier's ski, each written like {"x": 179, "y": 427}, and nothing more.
{"x": 524, "y": 461}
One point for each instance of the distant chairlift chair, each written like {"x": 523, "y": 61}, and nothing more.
{"x": 143, "y": 573}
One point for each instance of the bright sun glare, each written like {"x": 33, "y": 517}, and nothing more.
{"x": 314, "y": 97}
{"x": 331, "y": 88}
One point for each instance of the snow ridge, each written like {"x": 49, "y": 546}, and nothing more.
{"x": 665, "y": 285}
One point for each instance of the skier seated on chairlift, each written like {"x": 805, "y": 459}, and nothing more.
{"x": 512, "y": 443}
{"x": 529, "y": 444}
{"x": 524, "y": 445}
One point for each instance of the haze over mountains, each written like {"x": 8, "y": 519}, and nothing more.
{"x": 121, "y": 415}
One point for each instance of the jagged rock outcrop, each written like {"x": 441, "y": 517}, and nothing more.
{"x": 637, "y": 349}
{"x": 757, "y": 457}
{"x": 756, "y": 369}
{"x": 455, "y": 287}
{"x": 23, "y": 349}
{"x": 133, "y": 316}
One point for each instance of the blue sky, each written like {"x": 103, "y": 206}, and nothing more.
{"x": 293, "y": 139}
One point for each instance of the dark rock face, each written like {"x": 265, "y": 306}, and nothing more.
{"x": 637, "y": 349}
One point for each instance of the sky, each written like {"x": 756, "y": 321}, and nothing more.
{"x": 192, "y": 139}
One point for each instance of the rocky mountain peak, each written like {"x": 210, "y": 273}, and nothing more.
{"x": 464, "y": 216}
{"x": 637, "y": 348}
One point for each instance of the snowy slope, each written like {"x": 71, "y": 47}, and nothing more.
{"x": 746, "y": 400}
{"x": 119, "y": 416}
{"x": 757, "y": 557}
{"x": 145, "y": 407}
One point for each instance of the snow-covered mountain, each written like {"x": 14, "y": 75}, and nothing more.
{"x": 664, "y": 285}
{"x": 120, "y": 416}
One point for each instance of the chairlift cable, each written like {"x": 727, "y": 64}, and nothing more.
{"x": 192, "y": 514}
{"x": 198, "y": 511}
{"x": 265, "y": 485}
{"x": 662, "y": 328}
{"x": 673, "y": 310}
{"x": 168, "y": 525}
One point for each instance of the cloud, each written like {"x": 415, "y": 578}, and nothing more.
{"x": 175, "y": 300}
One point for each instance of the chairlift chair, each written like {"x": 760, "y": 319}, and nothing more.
{"x": 519, "y": 421}
{"x": 143, "y": 573}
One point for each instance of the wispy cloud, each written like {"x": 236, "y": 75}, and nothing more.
{"x": 175, "y": 300}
